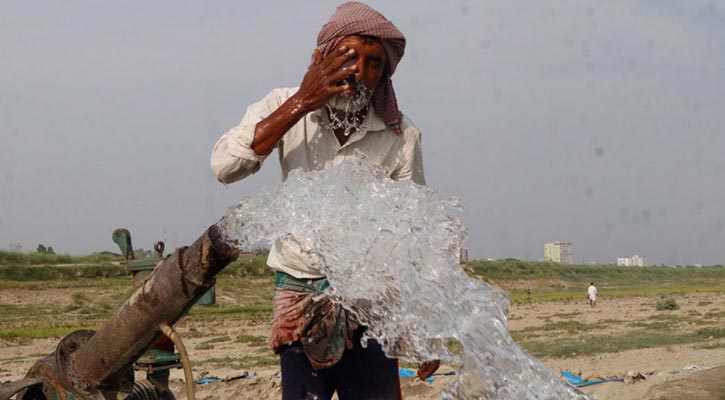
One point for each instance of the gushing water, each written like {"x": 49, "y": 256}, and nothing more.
{"x": 390, "y": 252}
{"x": 344, "y": 108}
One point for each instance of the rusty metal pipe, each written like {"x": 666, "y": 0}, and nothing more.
{"x": 93, "y": 364}
{"x": 165, "y": 297}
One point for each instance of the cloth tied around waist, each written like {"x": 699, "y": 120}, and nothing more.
{"x": 302, "y": 311}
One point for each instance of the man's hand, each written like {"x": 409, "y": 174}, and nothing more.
{"x": 323, "y": 77}
{"x": 428, "y": 368}
{"x": 321, "y": 82}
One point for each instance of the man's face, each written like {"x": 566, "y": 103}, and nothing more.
{"x": 370, "y": 58}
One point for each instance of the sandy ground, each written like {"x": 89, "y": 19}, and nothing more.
{"x": 667, "y": 369}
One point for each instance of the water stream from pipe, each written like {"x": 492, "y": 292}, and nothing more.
{"x": 390, "y": 251}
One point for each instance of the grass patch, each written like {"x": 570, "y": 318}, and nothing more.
{"x": 567, "y": 326}
{"x": 84, "y": 305}
{"x": 716, "y": 333}
{"x": 668, "y": 320}
{"x": 667, "y": 304}
{"x": 220, "y": 339}
{"x": 24, "y": 311}
{"x": 106, "y": 307}
{"x": 24, "y": 273}
{"x": 80, "y": 298}
{"x": 566, "y": 315}
{"x": 454, "y": 346}
{"x": 518, "y": 296}
{"x": 112, "y": 284}
{"x": 39, "y": 332}
{"x": 35, "y": 258}
{"x": 209, "y": 344}
{"x": 251, "y": 340}
{"x": 255, "y": 310}
{"x": 655, "y": 326}
{"x": 712, "y": 346}
{"x": 608, "y": 343}
{"x": 557, "y": 282}
{"x": 249, "y": 266}
{"x": 604, "y": 275}
{"x": 239, "y": 362}
{"x": 673, "y": 318}
{"x": 714, "y": 314}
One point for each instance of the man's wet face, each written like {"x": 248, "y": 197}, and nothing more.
{"x": 345, "y": 109}
{"x": 370, "y": 59}
{"x": 355, "y": 100}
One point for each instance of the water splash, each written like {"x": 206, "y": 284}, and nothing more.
{"x": 390, "y": 251}
{"x": 344, "y": 109}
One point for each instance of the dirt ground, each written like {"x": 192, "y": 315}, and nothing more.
{"x": 689, "y": 364}
{"x": 228, "y": 345}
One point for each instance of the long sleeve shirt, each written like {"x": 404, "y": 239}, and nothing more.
{"x": 310, "y": 145}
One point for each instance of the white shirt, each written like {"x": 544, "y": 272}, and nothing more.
{"x": 311, "y": 146}
{"x": 592, "y": 291}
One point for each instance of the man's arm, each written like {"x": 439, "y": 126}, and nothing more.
{"x": 241, "y": 151}
{"x": 321, "y": 82}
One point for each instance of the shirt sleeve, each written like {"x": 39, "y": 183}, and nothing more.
{"x": 233, "y": 158}
{"x": 410, "y": 165}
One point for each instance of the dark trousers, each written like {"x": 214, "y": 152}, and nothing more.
{"x": 361, "y": 374}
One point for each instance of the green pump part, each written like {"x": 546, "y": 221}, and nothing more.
{"x": 122, "y": 237}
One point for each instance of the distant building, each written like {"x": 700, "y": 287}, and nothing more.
{"x": 634, "y": 261}
{"x": 560, "y": 252}
{"x": 464, "y": 254}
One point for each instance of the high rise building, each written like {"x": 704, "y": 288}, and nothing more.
{"x": 634, "y": 261}
{"x": 560, "y": 252}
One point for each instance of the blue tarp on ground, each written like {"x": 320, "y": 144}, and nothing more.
{"x": 576, "y": 380}
{"x": 409, "y": 373}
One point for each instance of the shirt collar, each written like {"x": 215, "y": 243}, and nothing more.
{"x": 372, "y": 123}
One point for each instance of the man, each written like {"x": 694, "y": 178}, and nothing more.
{"x": 345, "y": 104}
{"x": 592, "y": 295}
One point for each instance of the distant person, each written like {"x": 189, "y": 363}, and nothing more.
{"x": 592, "y": 295}
{"x": 528, "y": 295}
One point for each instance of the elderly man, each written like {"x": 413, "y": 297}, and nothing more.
{"x": 344, "y": 104}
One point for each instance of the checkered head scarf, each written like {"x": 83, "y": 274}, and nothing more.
{"x": 353, "y": 18}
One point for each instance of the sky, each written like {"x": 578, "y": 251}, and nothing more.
{"x": 601, "y": 123}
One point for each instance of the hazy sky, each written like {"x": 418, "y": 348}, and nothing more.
{"x": 596, "y": 122}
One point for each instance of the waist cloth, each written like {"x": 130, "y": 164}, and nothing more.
{"x": 304, "y": 313}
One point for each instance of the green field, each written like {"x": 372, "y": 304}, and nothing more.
{"x": 92, "y": 289}
{"x": 11, "y": 258}
{"x": 551, "y": 281}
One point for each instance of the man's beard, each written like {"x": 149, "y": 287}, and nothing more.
{"x": 352, "y": 103}
{"x": 344, "y": 109}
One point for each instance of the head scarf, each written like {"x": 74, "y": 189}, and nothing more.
{"x": 353, "y": 18}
